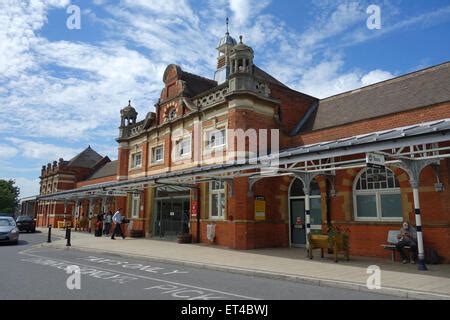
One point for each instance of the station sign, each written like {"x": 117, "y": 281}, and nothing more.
{"x": 117, "y": 193}
{"x": 374, "y": 160}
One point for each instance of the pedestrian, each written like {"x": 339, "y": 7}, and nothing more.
{"x": 117, "y": 219}
{"x": 107, "y": 224}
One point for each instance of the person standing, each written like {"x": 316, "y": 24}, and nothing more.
{"x": 117, "y": 219}
{"x": 107, "y": 224}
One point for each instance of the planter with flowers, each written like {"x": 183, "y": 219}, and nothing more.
{"x": 335, "y": 240}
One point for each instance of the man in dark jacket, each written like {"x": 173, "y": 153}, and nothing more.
{"x": 407, "y": 238}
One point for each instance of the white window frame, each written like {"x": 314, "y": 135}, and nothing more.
{"x": 209, "y": 135}
{"x": 135, "y": 205}
{"x": 377, "y": 193}
{"x": 133, "y": 160}
{"x": 154, "y": 160}
{"x": 220, "y": 194}
{"x": 178, "y": 148}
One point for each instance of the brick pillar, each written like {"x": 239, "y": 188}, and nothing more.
{"x": 123, "y": 157}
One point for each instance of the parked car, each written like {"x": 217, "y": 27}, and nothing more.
{"x": 26, "y": 223}
{"x": 8, "y": 230}
{"x": 5, "y": 214}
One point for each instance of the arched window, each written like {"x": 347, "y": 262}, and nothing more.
{"x": 172, "y": 113}
{"x": 376, "y": 196}
{"x": 297, "y": 188}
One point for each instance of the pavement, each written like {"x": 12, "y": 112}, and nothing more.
{"x": 403, "y": 281}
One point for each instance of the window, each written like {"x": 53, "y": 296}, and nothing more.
{"x": 172, "y": 114}
{"x": 158, "y": 154}
{"x": 135, "y": 206}
{"x": 217, "y": 200}
{"x": 136, "y": 160}
{"x": 216, "y": 138}
{"x": 184, "y": 147}
{"x": 376, "y": 196}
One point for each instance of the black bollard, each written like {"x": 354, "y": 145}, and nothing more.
{"x": 69, "y": 231}
{"x": 49, "y": 240}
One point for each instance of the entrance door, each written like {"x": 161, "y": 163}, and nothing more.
{"x": 298, "y": 227}
{"x": 169, "y": 218}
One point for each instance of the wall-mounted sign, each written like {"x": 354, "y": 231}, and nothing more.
{"x": 260, "y": 208}
{"x": 194, "y": 208}
{"x": 172, "y": 213}
{"x": 116, "y": 193}
{"x": 374, "y": 160}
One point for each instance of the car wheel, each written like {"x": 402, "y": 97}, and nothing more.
{"x": 15, "y": 242}
{"x": 33, "y": 231}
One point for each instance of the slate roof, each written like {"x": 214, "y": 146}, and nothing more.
{"x": 418, "y": 89}
{"x": 88, "y": 158}
{"x": 196, "y": 84}
{"x": 109, "y": 169}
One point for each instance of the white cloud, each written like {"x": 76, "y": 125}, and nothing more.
{"x": 28, "y": 187}
{"x": 375, "y": 76}
{"x": 328, "y": 78}
{"x": 7, "y": 152}
{"x": 245, "y": 10}
{"x": 43, "y": 151}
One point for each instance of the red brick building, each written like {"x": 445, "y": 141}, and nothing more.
{"x": 245, "y": 162}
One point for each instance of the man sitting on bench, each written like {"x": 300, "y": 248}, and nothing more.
{"x": 407, "y": 238}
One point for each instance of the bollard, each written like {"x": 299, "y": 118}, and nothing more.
{"x": 69, "y": 231}
{"x": 49, "y": 239}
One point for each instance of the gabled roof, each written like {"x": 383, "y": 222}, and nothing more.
{"x": 109, "y": 169}
{"x": 88, "y": 158}
{"x": 418, "y": 89}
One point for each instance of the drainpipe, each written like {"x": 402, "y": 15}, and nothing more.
{"x": 197, "y": 192}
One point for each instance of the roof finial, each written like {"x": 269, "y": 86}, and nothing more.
{"x": 240, "y": 38}
{"x": 129, "y": 103}
{"x": 228, "y": 32}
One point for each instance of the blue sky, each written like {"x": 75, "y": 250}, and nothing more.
{"x": 62, "y": 89}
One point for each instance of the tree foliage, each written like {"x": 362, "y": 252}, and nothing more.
{"x": 9, "y": 196}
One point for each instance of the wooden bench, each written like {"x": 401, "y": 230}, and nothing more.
{"x": 392, "y": 241}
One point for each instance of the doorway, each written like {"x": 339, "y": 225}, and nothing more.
{"x": 297, "y": 220}
{"x": 171, "y": 215}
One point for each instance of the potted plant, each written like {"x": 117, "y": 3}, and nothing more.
{"x": 338, "y": 240}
